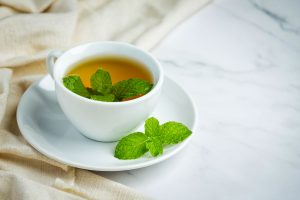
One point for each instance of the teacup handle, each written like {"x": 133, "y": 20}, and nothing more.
{"x": 50, "y": 61}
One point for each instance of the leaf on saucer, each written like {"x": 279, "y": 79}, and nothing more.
{"x": 132, "y": 146}
{"x": 75, "y": 84}
{"x": 152, "y": 127}
{"x": 137, "y": 144}
{"x": 155, "y": 146}
{"x": 174, "y": 132}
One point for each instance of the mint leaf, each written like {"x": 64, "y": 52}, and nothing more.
{"x": 174, "y": 132}
{"x": 103, "y": 90}
{"x": 101, "y": 81}
{"x": 132, "y": 146}
{"x": 152, "y": 127}
{"x": 75, "y": 84}
{"x": 154, "y": 145}
{"x": 131, "y": 88}
{"x": 106, "y": 98}
{"x": 93, "y": 92}
{"x": 137, "y": 144}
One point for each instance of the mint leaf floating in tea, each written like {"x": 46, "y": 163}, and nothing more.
{"x": 131, "y": 88}
{"x": 75, "y": 84}
{"x": 132, "y": 146}
{"x": 93, "y": 92}
{"x": 106, "y": 98}
{"x": 174, "y": 132}
{"x": 155, "y": 137}
{"x": 103, "y": 90}
{"x": 101, "y": 81}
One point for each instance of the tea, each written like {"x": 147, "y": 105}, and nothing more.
{"x": 120, "y": 68}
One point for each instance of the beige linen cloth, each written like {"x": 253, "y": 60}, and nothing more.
{"x": 28, "y": 30}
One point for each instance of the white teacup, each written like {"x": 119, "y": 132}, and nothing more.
{"x": 104, "y": 121}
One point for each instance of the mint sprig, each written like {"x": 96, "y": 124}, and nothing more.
{"x": 101, "y": 82}
{"x": 154, "y": 145}
{"x": 156, "y": 136}
{"x": 106, "y": 97}
{"x": 173, "y": 132}
{"x": 152, "y": 127}
{"x": 103, "y": 90}
{"x": 132, "y": 146}
{"x": 75, "y": 84}
{"x": 130, "y": 88}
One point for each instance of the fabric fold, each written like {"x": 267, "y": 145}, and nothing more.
{"x": 30, "y": 6}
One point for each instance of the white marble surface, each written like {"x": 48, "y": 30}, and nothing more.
{"x": 240, "y": 61}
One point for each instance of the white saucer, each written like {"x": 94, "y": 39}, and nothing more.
{"x": 45, "y": 127}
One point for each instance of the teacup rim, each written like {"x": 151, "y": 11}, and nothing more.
{"x": 153, "y": 91}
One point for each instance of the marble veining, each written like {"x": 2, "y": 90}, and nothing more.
{"x": 240, "y": 61}
{"x": 283, "y": 23}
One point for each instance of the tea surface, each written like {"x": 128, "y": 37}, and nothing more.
{"x": 120, "y": 68}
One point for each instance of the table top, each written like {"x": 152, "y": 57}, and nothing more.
{"x": 239, "y": 60}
